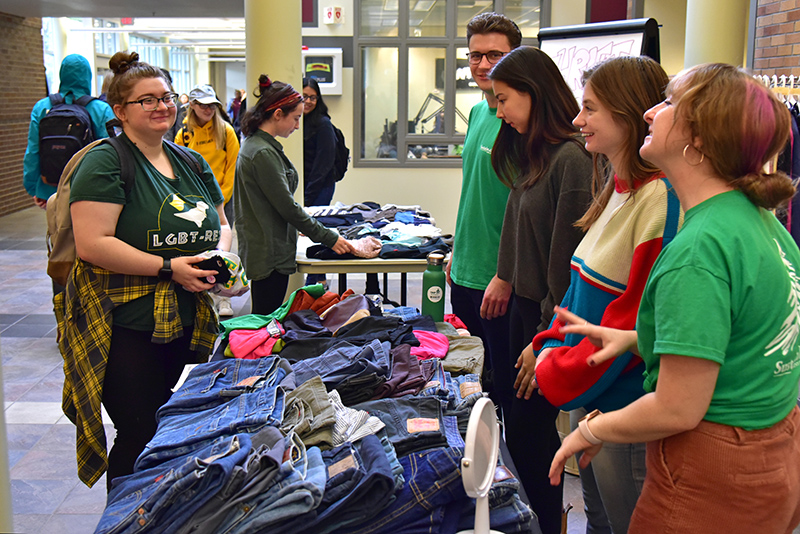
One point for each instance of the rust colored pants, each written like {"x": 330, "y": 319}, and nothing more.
{"x": 722, "y": 479}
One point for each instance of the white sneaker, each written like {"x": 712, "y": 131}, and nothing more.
{"x": 224, "y": 308}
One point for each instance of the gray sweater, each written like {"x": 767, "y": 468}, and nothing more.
{"x": 539, "y": 234}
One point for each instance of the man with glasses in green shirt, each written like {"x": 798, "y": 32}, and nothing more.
{"x": 481, "y": 208}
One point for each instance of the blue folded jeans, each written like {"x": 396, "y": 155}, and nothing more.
{"x": 258, "y": 474}
{"x": 182, "y": 433}
{"x": 211, "y": 384}
{"x": 162, "y": 499}
{"x": 297, "y": 490}
{"x": 412, "y": 423}
{"x": 360, "y": 484}
{"x": 346, "y": 362}
{"x": 431, "y": 498}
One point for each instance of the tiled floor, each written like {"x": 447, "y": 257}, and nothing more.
{"x": 47, "y": 496}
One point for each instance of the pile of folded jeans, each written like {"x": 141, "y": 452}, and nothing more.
{"x": 353, "y": 435}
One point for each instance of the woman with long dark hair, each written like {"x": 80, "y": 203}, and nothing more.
{"x": 538, "y": 156}
{"x": 319, "y": 147}
{"x": 267, "y": 216}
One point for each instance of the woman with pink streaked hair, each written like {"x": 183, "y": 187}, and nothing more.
{"x": 718, "y": 326}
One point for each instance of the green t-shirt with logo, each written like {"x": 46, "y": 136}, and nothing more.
{"x": 727, "y": 289}
{"x": 482, "y": 205}
{"x": 161, "y": 216}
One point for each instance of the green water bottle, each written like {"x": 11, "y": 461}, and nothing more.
{"x": 433, "y": 284}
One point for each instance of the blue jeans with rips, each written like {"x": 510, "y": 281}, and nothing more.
{"x": 162, "y": 499}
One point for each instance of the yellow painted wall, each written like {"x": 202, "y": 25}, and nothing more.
{"x": 567, "y": 12}
{"x": 671, "y": 15}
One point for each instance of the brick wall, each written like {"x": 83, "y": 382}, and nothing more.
{"x": 22, "y": 83}
{"x": 777, "y": 49}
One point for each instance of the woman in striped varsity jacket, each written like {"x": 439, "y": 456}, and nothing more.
{"x": 634, "y": 215}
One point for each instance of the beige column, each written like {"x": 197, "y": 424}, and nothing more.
{"x": 716, "y": 31}
{"x": 273, "y": 44}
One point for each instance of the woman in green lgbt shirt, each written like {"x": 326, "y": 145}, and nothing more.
{"x": 137, "y": 252}
{"x": 718, "y": 323}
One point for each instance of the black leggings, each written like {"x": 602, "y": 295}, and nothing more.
{"x": 266, "y": 295}
{"x": 531, "y": 433}
{"x": 139, "y": 375}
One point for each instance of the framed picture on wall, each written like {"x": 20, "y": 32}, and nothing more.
{"x": 325, "y": 66}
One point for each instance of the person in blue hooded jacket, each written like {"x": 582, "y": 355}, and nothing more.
{"x": 76, "y": 81}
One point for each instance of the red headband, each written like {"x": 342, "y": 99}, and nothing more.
{"x": 294, "y": 98}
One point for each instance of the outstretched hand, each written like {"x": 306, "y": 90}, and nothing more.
{"x": 611, "y": 341}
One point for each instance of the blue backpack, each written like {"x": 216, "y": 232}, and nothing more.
{"x": 63, "y": 132}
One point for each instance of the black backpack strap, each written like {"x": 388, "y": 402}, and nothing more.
{"x": 56, "y": 99}
{"x": 127, "y": 171}
{"x": 111, "y": 124}
{"x": 186, "y": 156}
{"x": 84, "y": 100}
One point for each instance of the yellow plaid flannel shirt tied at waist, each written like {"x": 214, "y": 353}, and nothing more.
{"x": 84, "y": 320}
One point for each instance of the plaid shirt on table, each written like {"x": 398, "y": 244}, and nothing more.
{"x": 84, "y": 319}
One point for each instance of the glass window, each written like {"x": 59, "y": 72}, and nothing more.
{"x": 423, "y": 151}
{"x": 526, "y": 14}
{"x": 379, "y": 18}
{"x": 467, "y": 10}
{"x": 426, "y": 18}
{"x": 379, "y": 120}
{"x": 105, "y": 43}
{"x": 426, "y": 90}
{"x": 148, "y": 49}
{"x": 416, "y": 85}
{"x": 180, "y": 68}
{"x": 49, "y": 46}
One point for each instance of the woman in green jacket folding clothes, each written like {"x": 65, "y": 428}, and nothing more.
{"x": 267, "y": 216}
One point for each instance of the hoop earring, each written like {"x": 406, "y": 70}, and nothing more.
{"x": 702, "y": 156}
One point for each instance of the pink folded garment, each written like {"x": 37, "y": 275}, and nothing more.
{"x": 432, "y": 345}
{"x": 252, "y": 344}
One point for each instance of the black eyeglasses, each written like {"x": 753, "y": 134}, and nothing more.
{"x": 150, "y": 103}
{"x": 493, "y": 56}
{"x": 310, "y": 98}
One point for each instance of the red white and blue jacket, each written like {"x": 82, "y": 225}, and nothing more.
{"x": 609, "y": 272}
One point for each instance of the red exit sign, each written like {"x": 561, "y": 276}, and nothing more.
{"x": 126, "y": 21}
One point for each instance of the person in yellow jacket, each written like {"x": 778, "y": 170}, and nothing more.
{"x": 206, "y": 131}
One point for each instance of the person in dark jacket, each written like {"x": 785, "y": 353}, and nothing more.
{"x": 319, "y": 147}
